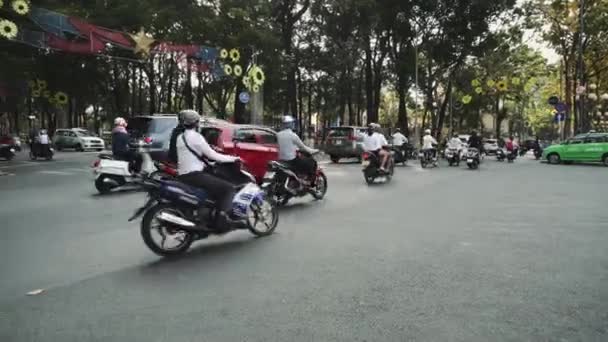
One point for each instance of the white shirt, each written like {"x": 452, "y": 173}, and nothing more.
{"x": 43, "y": 139}
{"x": 374, "y": 142}
{"x": 455, "y": 143}
{"x": 187, "y": 162}
{"x": 399, "y": 139}
{"x": 428, "y": 141}
{"x": 289, "y": 143}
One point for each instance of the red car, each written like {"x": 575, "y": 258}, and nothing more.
{"x": 255, "y": 145}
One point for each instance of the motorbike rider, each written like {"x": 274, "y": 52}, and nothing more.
{"x": 193, "y": 151}
{"x": 289, "y": 143}
{"x": 43, "y": 141}
{"x": 511, "y": 145}
{"x": 120, "y": 145}
{"x": 455, "y": 143}
{"x": 429, "y": 143}
{"x": 399, "y": 140}
{"x": 475, "y": 141}
{"x": 374, "y": 142}
{"x": 179, "y": 129}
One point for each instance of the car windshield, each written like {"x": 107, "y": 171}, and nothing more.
{"x": 83, "y": 133}
{"x": 143, "y": 125}
{"x": 340, "y": 132}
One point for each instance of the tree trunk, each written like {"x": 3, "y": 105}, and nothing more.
{"x": 199, "y": 93}
{"x": 140, "y": 91}
{"x": 169, "y": 100}
{"x": 402, "y": 119}
{"x": 369, "y": 85}
{"x": 152, "y": 87}
{"x": 442, "y": 112}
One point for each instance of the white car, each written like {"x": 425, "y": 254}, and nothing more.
{"x": 490, "y": 146}
{"x": 78, "y": 139}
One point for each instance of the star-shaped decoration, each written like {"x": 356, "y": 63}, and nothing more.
{"x": 143, "y": 42}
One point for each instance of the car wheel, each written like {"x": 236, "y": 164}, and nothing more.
{"x": 79, "y": 148}
{"x": 554, "y": 159}
{"x": 605, "y": 160}
{"x": 334, "y": 159}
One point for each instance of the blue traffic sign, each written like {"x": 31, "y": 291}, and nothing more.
{"x": 244, "y": 97}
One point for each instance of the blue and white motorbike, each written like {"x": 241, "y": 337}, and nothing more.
{"x": 175, "y": 214}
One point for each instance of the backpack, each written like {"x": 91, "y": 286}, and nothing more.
{"x": 173, "y": 143}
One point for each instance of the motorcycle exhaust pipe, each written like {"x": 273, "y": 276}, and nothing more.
{"x": 174, "y": 219}
{"x": 111, "y": 181}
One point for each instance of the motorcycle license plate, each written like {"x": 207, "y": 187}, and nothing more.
{"x": 269, "y": 175}
{"x": 469, "y": 160}
{"x": 338, "y": 142}
{"x": 420, "y": 155}
{"x": 365, "y": 163}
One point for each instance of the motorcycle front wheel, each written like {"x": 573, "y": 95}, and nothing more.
{"x": 263, "y": 219}
{"x": 150, "y": 224}
{"x": 320, "y": 188}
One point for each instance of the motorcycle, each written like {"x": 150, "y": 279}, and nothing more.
{"x": 7, "y": 152}
{"x": 501, "y": 155}
{"x": 371, "y": 168}
{"x": 281, "y": 183}
{"x": 41, "y": 151}
{"x": 453, "y": 156}
{"x": 400, "y": 154}
{"x": 427, "y": 158}
{"x": 185, "y": 214}
{"x": 538, "y": 153}
{"x": 473, "y": 158}
{"x": 511, "y": 156}
{"x": 113, "y": 175}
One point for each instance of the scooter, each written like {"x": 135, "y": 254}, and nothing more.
{"x": 453, "y": 156}
{"x": 501, "y": 155}
{"x": 41, "y": 151}
{"x": 473, "y": 158}
{"x": 427, "y": 158}
{"x": 7, "y": 152}
{"x": 511, "y": 156}
{"x": 538, "y": 153}
{"x": 399, "y": 154}
{"x": 371, "y": 168}
{"x": 117, "y": 175}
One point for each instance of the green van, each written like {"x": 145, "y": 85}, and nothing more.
{"x": 590, "y": 147}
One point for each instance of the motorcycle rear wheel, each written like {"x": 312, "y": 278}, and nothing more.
{"x": 149, "y": 223}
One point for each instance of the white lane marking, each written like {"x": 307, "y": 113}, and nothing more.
{"x": 61, "y": 173}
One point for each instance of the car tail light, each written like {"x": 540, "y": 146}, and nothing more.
{"x": 148, "y": 140}
{"x": 96, "y": 163}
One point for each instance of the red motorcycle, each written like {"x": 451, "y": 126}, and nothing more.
{"x": 281, "y": 183}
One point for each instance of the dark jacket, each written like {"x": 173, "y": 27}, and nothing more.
{"x": 173, "y": 143}
{"x": 475, "y": 141}
{"x": 120, "y": 142}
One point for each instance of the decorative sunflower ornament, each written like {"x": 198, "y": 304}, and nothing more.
{"x": 227, "y": 70}
{"x": 490, "y": 83}
{"x": 61, "y": 98}
{"x": 257, "y": 75}
{"x": 235, "y": 55}
{"x": 36, "y": 93}
{"x": 41, "y": 84}
{"x": 475, "y": 83}
{"x": 8, "y": 29}
{"x": 256, "y": 88}
{"x": 502, "y": 86}
{"x": 246, "y": 82}
{"x": 224, "y": 53}
{"x": 466, "y": 99}
{"x": 479, "y": 90}
{"x": 238, "y": 71}
{"x": 21, "y": 7}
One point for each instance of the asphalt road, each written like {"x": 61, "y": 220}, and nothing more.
{"x": 507, "y": 253}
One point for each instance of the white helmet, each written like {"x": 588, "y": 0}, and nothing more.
{"x": 288, "y": 119}
{"x": 427, "y": 131}
{"x": 120, "y": 122}
{"x": 190, "y": 117}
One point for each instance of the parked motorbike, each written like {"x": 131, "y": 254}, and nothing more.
{"x": 427, "y": 158}
{"x": 511, "y": 156}
{"x": 182, "y": 214}
{"x": 473, "y": 158}
{"x": 41, "y": 151}
{"x": 281, "y": 183}
{"x": 400, "y": 154}
{"x": 7, "y": 152}
{"x": 453, "y": 156}
{"x": 114, "y": 175}
{"x": 501, "y": 155}
{"x": 538, "y": 153}
{"x": 371, "y": 168}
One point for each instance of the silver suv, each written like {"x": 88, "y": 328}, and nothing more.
{"x": 77, "y": 138}
{"x": 344, "y": 142}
